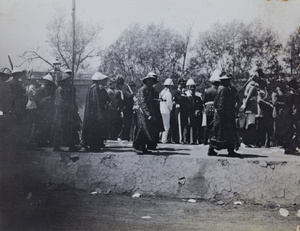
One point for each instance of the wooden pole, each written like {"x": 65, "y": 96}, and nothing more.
{"x": 73, "y": 53}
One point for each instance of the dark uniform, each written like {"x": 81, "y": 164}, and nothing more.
{"x": 180, "y": 113}
{"x": 93, "y": 120}
{"x": 290, "y": 115}
{"x": 66, "y": 124}
{"x": 209, "y": 97}
{"x": 195, "y": 109}
{"x": 149, "y": 122}
{"x": 45, "y": 113}
{"x": 224, "y": 131}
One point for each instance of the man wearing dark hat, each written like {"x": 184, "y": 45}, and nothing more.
{"x": 149, "y": 124}
{"x": 180, "y": 113}
{"x": 94, "y": 112}
{"x": 224, "y": 131}
{"x": 66, "y": 122}
{"x": 291, "y": 117}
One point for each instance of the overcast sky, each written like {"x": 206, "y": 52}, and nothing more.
{"x": 23, "y": 23}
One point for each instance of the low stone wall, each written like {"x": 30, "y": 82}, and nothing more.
{"x": 217, "y": 179}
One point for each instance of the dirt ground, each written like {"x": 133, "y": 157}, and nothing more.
{"x": 29, "y": 203}
{"x": 57, "y": 207}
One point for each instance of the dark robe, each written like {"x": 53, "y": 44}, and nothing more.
{"x": 180, "y": 117}
{"x": 195, "y": 108}
{"x": 224, "y": 133}
{"x": 45, "y": 113}
{"x": 290, "y": 115}
{"x": 147, "y": 129}
{"x": 94, "y": 114}
{"x": 66, "y": 122}
{"x": 209, "y": 97}
{"x": 279, "y": 123}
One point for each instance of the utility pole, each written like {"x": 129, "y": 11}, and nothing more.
{"x": 73, "y": 57}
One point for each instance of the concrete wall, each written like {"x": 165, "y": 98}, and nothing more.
{"x": 183, "y": 177}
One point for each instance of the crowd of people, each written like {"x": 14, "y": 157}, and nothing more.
{"x": 44, "y": 112}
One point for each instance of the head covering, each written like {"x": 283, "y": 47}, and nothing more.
{"x": 215, "y": 76}
{"x": 16, "y": 70}
{"x": 150, "y": 75}
{"x": 68, "y": 71}
{"x": 181, "y": 81}
{"x": 260, "y": 73}
{"x": 99, "y": 76}
{"x": 120, "y": 79}
{"x": 224, "y": 77}
{"x": 5, "y": 73}
{"x": 168, "y": 82}
{"x": 190, "y": 82}
{"x": 48, "y": 77}
{"x": 292, "y": 83}
{"x": 62, "y": 76}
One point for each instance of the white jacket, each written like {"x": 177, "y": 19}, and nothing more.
{"x": 166, "y": 102}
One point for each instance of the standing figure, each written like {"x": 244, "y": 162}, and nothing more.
{"x": 66, "y": 122}
{"x": 45, "y": 102}
{"x": 17, "y": 106}
{"x": 31, "y": 109}
{"x": 264, "y": 119}
{"x": 128, "y": 91}
{"x": 114, "y": 120}
{"x": 180, "y": 113}
{"x": 94, "y": 112}
{"x": 278, "y": 102}
{"x": 166, "y": 105}
{"x": 208, "y": 99}
{"x": 195, "y": 108}
{"x": 224, "y": 132}
{"x": 249, "y": 107}
{"x": 148, "y": 124}
{"x": 290, "y": 115}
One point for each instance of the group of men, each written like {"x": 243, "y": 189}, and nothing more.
{"x": 48, "y": 113}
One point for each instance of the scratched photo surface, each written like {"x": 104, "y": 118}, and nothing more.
{"x": 51, "y": 178}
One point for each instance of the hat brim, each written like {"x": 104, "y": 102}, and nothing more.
{"x": 155, "y": 79}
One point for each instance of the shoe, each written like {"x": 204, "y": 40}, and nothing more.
{"x": 147, "y": 151}
{"x": 234, "y": 154}
{"x": 58, "y": 149}
{"x": 291, "y": 152}
{"x": 212, "y": 153}
{"x": 74, "y": 149}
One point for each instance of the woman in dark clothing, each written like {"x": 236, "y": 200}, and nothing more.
{"x": 66, "y": 122}
{"x": 94, "y": 113}
{"x": 149, "y": 121}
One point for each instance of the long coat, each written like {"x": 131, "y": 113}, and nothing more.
{"x": 45, "y": 103}
{"x": 147, "y": 129}
{"x": 224, "y": 133}
{"x": 66, "y": 122}
{"x": 94, "y": 114}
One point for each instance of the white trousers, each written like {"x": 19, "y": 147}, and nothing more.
{"x": 166, "y": 122}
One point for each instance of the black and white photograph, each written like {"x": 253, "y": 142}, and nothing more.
{"x": 161, "y": 115}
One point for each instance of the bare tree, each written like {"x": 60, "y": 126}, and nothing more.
{"x": 235, "y": 47}
{"x": 139, "y": 50}
{"x": 59, "y": 40}
{"x": 292, "y": 53}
